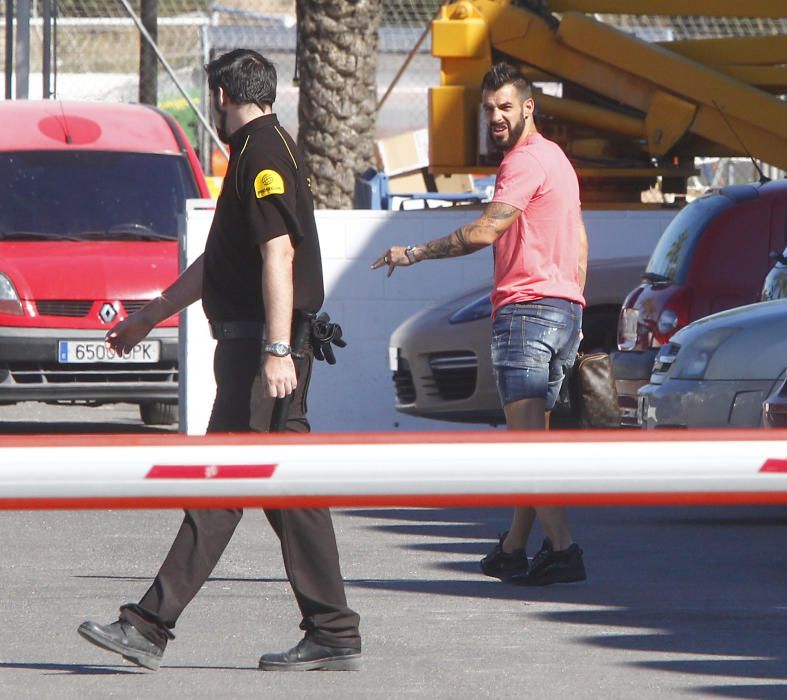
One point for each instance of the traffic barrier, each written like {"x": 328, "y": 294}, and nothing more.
{"x": 390, "y": 469}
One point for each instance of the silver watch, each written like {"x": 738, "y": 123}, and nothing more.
{"x": 409, "y": 251}
{"x": 277, "y": 349}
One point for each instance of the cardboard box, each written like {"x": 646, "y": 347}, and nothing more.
{"x": 407, "y": 183}
{"x": 453, "y": 184}
{"x": 403, "y": 153}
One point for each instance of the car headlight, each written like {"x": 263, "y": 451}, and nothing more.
{"x": 9, "y": 298}
{"x": 668, "y": 321}
{"x": 693, "y": 359}
{"x": 479, "y": 308}
{"x": 627, "y": 329}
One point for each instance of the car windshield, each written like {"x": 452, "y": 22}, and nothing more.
{"x": 76, "y": 195}
{"x": 672, "y": 255}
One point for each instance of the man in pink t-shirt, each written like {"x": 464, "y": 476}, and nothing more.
{"x": 538, "y": 255}
{"x": 535, "y": 224}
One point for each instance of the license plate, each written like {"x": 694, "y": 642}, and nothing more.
{"x": 86, "y": 351}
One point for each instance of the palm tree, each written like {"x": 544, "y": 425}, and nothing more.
{"x": 337, "y": 67}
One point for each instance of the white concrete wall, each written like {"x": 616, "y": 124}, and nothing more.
{"x": 358, "y": 391}
{"x": 356, "y": 394}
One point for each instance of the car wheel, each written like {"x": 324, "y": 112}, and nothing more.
{"x": 158, "y": 413}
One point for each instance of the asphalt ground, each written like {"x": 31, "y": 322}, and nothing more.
{"x": 679, "y": 602}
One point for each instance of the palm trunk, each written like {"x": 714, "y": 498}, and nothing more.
{"x": 337, "y": 65}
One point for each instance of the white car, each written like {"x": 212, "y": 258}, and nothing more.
{"x": 440, "y": 356}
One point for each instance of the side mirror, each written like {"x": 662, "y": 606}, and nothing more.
{"x": 778, "y": 257}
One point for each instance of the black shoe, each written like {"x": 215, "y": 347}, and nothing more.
{"x": 124, "y": 639}
{"x": 307, "y": 655}
{"x": 550, "y": 566}
{"x": 502, "y": 565}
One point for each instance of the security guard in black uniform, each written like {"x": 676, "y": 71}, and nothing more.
{"x": 261, "y": 261}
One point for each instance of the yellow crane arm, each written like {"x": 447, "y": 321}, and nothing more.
{"x": 675, "y": 94}
{"x": 676, "y": 8}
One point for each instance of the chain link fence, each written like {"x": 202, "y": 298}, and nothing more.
{"x": 96, "y": 52}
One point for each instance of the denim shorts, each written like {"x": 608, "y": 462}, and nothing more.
{"x": 532, "y": 345}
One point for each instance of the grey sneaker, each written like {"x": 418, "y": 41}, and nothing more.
{"x": 124, "y": 639}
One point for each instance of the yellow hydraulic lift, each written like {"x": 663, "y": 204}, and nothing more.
{"x": 630, "y": 110}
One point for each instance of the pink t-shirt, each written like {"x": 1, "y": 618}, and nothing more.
{"x": 538, "y": 256}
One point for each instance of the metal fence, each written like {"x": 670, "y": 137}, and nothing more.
{"x": 96, "y": 48}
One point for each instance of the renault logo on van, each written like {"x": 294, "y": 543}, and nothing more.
{"x": 108, "y": 312}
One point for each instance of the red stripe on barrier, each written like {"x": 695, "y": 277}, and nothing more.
{"x": 211, "y": 471}
{"x": 774, "y": 465}
{"x": 480, "y": 437}
{"x": 400, "y": 500}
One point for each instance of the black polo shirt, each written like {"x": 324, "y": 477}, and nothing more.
{"x": 265, "y": 194}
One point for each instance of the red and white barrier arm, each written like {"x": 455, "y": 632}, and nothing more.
{"x": 391, "y": 469}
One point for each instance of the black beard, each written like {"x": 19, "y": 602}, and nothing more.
{"x": 221, "y": 128}
{"x": 513, "y": 136}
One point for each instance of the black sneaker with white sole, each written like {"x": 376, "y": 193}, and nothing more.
{"x": 124, "y": 639}
{"x": 551, "y": 566}
{"x": 502, "y": 565}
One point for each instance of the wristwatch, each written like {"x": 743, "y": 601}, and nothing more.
{"x": 409, "y": 251}
{"x": 277, "y": 349}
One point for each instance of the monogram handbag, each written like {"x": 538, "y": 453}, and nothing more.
{"x": 594, "y": 400}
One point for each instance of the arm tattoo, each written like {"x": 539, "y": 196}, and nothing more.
{"x": 462, "y": 240}
{"x": 473, "y": 236}
{"x": 452, "y": 245}
{"x": 500, "y": 212}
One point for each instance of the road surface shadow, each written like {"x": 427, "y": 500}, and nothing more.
{"x": 110, "y": 669}
{"x": 79, "y": 428}
{"x": 73, "y": 669}
{"x": 684, "y": 582}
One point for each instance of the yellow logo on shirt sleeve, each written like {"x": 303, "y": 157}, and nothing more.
{"x": 268, "y": 182}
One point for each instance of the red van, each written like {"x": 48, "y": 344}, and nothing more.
{"x": 92, "y": 198}
{"x": 713, "y": 256}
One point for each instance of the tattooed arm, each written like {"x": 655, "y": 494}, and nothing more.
{"x": 484, "y": 231}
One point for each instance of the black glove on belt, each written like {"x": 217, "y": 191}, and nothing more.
{"x": 323, "y": 334}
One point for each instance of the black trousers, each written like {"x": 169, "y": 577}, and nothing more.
{"x": 308, "y": 543}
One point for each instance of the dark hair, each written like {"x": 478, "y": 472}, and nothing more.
{"x": 505, "y": 74}
{"x": 245, "y": 75}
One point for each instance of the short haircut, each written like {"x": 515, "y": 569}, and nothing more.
{"x": 246, "y": 77}
{"x": 505, "y": 74}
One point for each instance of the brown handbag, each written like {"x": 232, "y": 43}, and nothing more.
{"x": 594, "y": 400}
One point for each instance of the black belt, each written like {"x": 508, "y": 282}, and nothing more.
{"x": 237, "y": 330}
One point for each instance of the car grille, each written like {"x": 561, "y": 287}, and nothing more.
{"x": 77, "y": 308}
{"x": 132, "y": 306}
{"x": 403, "y": 382}
{"x": 454, "y": 375}
{"x": 53, "y": 373}
{"x": 663, "y": 362}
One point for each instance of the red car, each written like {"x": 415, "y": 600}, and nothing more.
{"x": 774, "y": 410}
{"x": 713, "y": 256}
{"x": 92, "y": 197}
